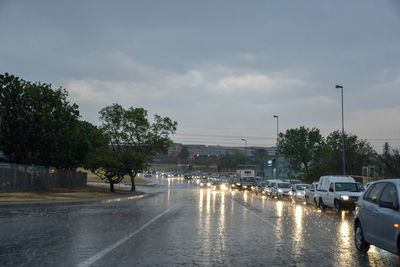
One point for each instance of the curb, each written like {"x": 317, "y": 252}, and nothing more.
{"x": 82, "y": 201}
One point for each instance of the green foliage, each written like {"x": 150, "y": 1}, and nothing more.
{"x": 184, "y": 153}
{"x": 39, "y": 125}
{"x": 358, "y": 153}
{"x": 302, "y": 147}
{"x": 389, "y": 162}
{"x": 231, "y": 162}
{"x": 259, "y": 157}
{"x": 133, "y": 142}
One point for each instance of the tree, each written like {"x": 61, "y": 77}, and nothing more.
{"x": 231, "y": 161}
{"x": 358, "y": 153}
{"x": 302, "y": 147}
{"x": 389, "y": 161}
{"x": 259, "y": 156}
{"x": 183, "y": 154}
{"x": 38, "y": 124}
{"x": 133, "y": 142}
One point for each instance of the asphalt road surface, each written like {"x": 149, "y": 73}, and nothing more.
{"x": 178, "y": 223}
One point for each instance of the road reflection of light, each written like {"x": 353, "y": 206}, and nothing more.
{"x": 214, "y": 194}
{"x": 344, "y": 242}
{"x": 169, "y": 182}
{"x": 201, "y": 201}
{"x": 245, "y": 196}
{"x": 298, "y": 231}
{"x": 221, "y": 228}
{"x": 279, "y": 227}
{"x": 208, "y": 202}
{"x": 299, "y": 217}
{"x": 279, "y": 208}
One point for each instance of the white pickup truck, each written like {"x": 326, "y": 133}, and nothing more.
{"x": 311, "y": 194}
{"x": 338, "y": 192}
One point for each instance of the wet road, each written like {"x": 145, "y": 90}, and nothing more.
{"x": 180, "y": 224}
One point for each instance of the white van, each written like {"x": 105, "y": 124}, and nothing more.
{"x": 339, "y": 192}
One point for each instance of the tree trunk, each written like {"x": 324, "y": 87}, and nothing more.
{"x": 133, "y": 188}
{"x": 111, "y": 186}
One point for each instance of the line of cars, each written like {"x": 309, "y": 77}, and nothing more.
{"x": 377, "y": 219}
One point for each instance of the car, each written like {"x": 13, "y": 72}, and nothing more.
{"x": 219, "y": 185}
{"x": 270, "y": 184}
{"x": 377, "y": 219}
{"x": 259, "y": 187}
{"x": 298, "y": 192}
{"x": 338, "y": 192}
{"x": 205, "y": 183}
{"x": 312, "y": 194}
{"x": 188, "y": 177}
{"x": 281, "y": 190}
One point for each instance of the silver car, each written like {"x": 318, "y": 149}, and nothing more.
{"x": 378, "y": 217}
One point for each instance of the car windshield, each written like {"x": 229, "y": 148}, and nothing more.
{"x": 302, "y": 187}
{"x": 284, "y": 185}
{"x": 349, "y": 187}
{"x": 248, "y": 179}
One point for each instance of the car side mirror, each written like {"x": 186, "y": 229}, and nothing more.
{"x": 330, "y": 189}
{"x": 386, "y": 204}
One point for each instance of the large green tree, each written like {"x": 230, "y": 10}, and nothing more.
{"x": 302, "y": 147}
{"x": 231, "y": 161}
{"x": 39, "y": 125}
{"x": 389, "y": 162}
{"x": 358, "y": 153}
{"x": 134, "y": 141}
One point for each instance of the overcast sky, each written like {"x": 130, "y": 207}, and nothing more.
{"x": 221, "y": 69}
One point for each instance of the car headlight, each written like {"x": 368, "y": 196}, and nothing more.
{"x": 299, "y": 193}
{"x": 208, "y": 184}
{"x": 214, "y": 187}
{"x": 237, "y": 183}
{"x": 201, "y": 184}
{"x": 245, "y": 186}
{"x": 223, "y": 187}
{"x": 344, "y": 197}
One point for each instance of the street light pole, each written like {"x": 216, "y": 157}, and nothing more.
{"x": 344, "y": 166}
{"x": 277, "y": 139}
{"x": 245, "y": 151}
{"x": 277, "y": 129}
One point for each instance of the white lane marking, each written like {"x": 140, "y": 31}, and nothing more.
{"x": 108, "y": 249}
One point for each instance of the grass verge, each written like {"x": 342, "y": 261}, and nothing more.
{"x": 91, "y": 177}
{"x": 89, "y": 191}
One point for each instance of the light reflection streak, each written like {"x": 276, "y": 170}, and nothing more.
{"x": 245, "y": 196}
{"x": 298, "y": 232}
{"x": 221, "y": 228}
{"x": 344, "y": 242}
{"x": 279, "y": 228}
{"x": 208, "y": 202}
{"x": 279, "y": 208}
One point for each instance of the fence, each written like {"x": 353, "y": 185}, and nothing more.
{"x": 16, "y": 177}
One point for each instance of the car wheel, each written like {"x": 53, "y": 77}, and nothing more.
{"x": 337, "y": 206}
{"x": 361, "y": 244}
{"x": 321, "y": 204}
{"x": 315, "y": 203}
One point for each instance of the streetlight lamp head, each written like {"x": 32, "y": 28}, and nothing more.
{"x": 339, "y": 86}
{"x": 275, "y": 116}
{"x": 244, "y": 139}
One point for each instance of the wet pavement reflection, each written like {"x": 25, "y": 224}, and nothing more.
{"x": 184, "y": 225}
